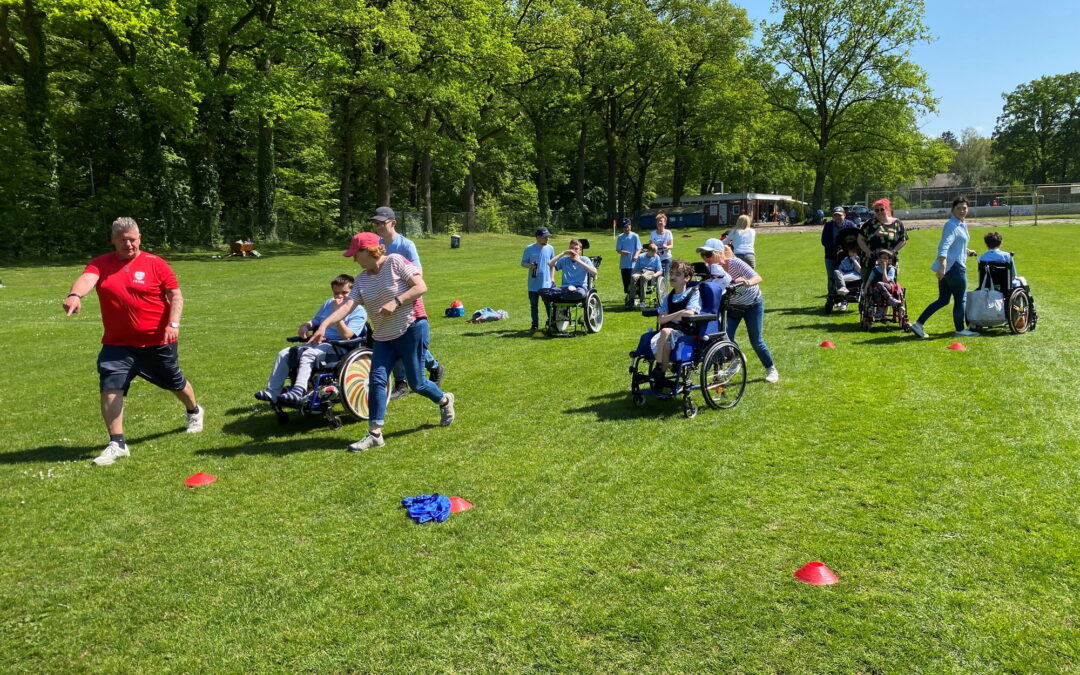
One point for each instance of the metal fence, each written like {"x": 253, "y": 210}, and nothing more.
{"x": 987, "y": 201}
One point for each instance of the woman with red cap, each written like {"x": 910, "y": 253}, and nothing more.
{"x": 387, "y": 287}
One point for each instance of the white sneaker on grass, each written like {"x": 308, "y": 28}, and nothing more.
{"x": 113, "y": 451}
{"x": 771, "y": 374}
{"x": 967, "y": 333}
{"x": 195, "y": 421}
{"x": 917, "y": 328}
{"x": 446, "y": 412}
{"x": 368, "y": 441}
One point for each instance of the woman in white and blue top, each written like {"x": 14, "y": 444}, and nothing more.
{"x": 741, "y": 237}
{"x": 951, "y": 271}
{"x": 661, "y": 236}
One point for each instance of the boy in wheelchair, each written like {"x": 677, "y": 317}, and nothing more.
{"x": 309, "y": 355}
{"x": 680, "y": 303}
{"x": 994, "y": 254}
{"x": 577, "y": 273}
{"x": 647, "y": 273}
{"x": 1002, "y": 297}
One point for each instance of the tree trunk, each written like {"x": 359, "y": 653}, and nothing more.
{"x": 579, "y": 175}
{"x": 36, "y": 112}
{"x": 612, "y": 162}
{"x": 468, "y": 199}
{"x": 348, "y": 152}
{"x": 541, "y": 178}
{"x": 267, "y": 182}
{"x": 205, "y": 181}
{"x": 382, "y": 163}
{"x": 414, "y": 184}
{"x": 425, "y": 177}
{"x": 680, "y": 163}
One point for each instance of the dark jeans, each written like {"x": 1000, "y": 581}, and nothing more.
{"x": 755, "y": 318}
{"x": 626, "y": 272}
{"x": 534, "y": 301}
{"x": 430, "y": 362}
{"x": 954, "y": 285}
{"x": 830, "y": 268}
{"x": 409, "y": 349}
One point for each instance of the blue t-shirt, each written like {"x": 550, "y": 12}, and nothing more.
{"x": 573, "y": 274}
{"x": 644, "y": 262}
{"x": 847, "y": 266}
{"x": 953, "y": 244}
{"x": 541, "y": 255}
{"x": 355, "y": 319}
{"x": 403, "y": 247}
{"x": 627, "y": 242}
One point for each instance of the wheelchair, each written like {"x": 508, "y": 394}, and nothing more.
{"x": 577, "y": 311}
{"x": 705, "y": 359}
{"x": 846, "y": 239}
{"x": 341, "y": 378}
{"x": 653, "y": 293}
{"x": 1019, "y": 305}
{"x": 872, "y": 310}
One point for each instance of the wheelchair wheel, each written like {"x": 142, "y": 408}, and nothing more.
{"x": 352, "y": 377}
{"x": 689, "y": 408}
{"x": 594, "y": 313}
{"x": 723, "y": 375}
{"x": 1019, "y": 311}
{"x": 639, "y": 399}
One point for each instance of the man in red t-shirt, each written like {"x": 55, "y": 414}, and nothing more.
{"x": 141, "y": 305}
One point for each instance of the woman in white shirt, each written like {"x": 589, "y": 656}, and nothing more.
{"x": 741, "y": 237}
{"x": 661, "y": 236}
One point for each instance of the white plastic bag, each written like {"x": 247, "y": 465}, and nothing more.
{"x": 985, "y": 307}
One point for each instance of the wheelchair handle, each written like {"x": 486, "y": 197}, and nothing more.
{"x": 652, "y": 311}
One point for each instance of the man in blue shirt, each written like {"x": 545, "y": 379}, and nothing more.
{"x": 385, "y": 222}
{"x": 535, "y": 258}
{"x": 628, "y": 245}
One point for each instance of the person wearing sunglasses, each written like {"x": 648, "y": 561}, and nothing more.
{"x": 883, "y": 231}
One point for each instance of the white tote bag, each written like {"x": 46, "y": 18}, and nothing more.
{"x": 985, "y": 306}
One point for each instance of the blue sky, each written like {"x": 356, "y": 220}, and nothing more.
{"x": 983, "y": 49}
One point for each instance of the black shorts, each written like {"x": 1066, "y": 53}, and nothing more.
{"x": 117, "y": 367}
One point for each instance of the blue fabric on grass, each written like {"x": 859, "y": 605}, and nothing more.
{"x": 423, "y": 508}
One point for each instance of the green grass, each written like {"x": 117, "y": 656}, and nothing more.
{"x": 941, "y": 487}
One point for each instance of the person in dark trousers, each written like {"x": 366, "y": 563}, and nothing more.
{"x": 141, "y": 305}
{"x": 829, "y": 232}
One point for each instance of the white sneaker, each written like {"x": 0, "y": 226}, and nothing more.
{"x": 446, "y": 412}
{"x": 195, "y": 421}
{"x": 771, "y": 375}
{"x": 918, "y": 329}
{"x": 113, "y": 451}
{"x": 842, "y": 290}
{"x": 366, "y": 442}
{"x": 967, "y": 333}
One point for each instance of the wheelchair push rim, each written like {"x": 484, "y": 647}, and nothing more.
{"x": 352, "y": 375}
{"x": 594, "y": 313}
{"x": 723, "y": 375}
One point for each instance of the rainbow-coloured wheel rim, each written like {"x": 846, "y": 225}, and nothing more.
{"x": 353, "y": 379}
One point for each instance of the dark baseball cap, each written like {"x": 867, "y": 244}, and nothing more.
{"x": 383, "y": 213}
{"x": 543, "y": 232}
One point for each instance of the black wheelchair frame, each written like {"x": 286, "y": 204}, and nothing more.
{"x": 1020, "y": 314}
{"x": 568, "y": 318}
{"x": 344, "y": 381}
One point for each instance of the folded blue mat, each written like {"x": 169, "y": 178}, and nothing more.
{"x": 423, "y": 508}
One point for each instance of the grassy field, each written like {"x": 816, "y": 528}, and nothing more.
{"x": 941, "y": 487}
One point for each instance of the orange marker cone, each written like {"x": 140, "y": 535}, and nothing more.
{"x": 828, "y": 344}
{"x": 200, "y": 479}
{"x": 457, "y": 505}
{"x": 816, "y": 574}
{"x": 958, "y": 347}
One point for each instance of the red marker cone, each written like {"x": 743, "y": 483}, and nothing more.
{"x": 457, "y": 505}
{"x": 816, "y": 574}
{"x": 827, "y": 345}
{"x": 200, "y": 479}
{"x": 958, "y": 347}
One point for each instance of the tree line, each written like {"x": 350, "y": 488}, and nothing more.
{"x": 210, "y": 121}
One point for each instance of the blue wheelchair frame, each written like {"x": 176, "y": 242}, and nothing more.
{"x": 344, "y": 380}
{"x": 705, "y": 359}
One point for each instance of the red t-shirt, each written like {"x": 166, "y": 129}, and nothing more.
{"x": 132, "y": 293}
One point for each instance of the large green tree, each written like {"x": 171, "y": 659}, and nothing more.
{"x": 1037, "y": 137}
{"x": 845, "y": 80}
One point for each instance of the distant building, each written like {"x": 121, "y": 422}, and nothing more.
{"x": 715, "y": 210}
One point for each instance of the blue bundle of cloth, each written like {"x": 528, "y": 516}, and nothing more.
{"x": 423, "y": 508}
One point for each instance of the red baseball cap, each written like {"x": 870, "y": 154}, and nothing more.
{"x": 361, "y": 240}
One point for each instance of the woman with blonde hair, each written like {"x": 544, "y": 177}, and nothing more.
{"x": 741, "y": 238}
{"x": 387, "y": 287}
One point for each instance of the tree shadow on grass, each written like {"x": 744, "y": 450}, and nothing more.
{"x": 262, "y": 445}
{"x": 68, "y": 453}
{"x": 505, "y": 333}
{"x": 620, "y": 406}
{"x": 848, "y": 327}
{"x": 816, "y": 310}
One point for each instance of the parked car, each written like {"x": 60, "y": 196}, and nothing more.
{"x": 858, "y": 210}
